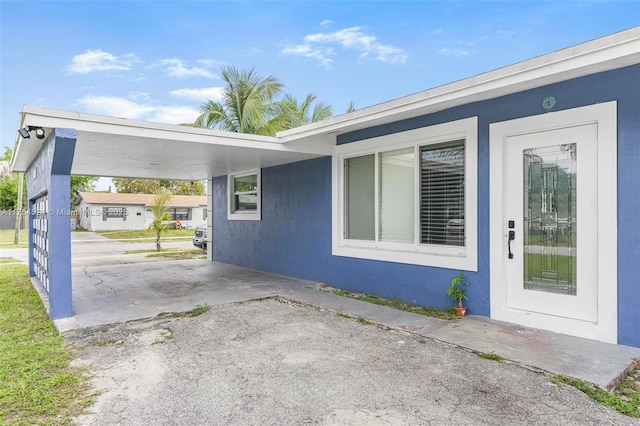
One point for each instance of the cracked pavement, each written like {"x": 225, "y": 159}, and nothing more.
{"x": 278, "y": 362}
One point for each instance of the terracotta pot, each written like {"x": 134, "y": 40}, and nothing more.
{"x": 460, "y": 310}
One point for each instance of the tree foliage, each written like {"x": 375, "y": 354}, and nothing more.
{"x": 249, "y": 105}
{"x": 296, "y": 114}
{"x": 88, "y": 183}
{"x": 161, "y": 215}
{"x": 153, "y": 186}
{"x": 8, "y": 184}
{"x": 9, "y": 191}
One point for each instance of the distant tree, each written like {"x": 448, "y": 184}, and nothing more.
{"x": 9, "y": 185}
{"x": 153, "y": 186}
{"x": 7, "y": 154}
{"x": 88, "y": 183}
{"x": 9, "y": 191}
{"x": 161, "y": 215}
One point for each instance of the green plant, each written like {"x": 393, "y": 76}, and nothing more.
{"x": 492, "y": 356}
{"x": 198, "y": 310}
{"x": 160, "y": 212}
{"x": 456, "y": 290}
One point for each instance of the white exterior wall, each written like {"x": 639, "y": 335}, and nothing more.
{"x": 91, "y": 217}
{"x": 139, "y": 217}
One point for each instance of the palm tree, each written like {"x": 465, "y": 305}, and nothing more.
{"x": 299, "y": 114}
{"x": 160, "y": 212}
{"x": 351, "y": 107}
{"x": 248, "y": 104}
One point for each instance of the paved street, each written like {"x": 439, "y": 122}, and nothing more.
{"x": 91, "y": 249}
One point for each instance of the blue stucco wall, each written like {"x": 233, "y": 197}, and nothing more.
{"x": 294, "y": 236}
{"x": 49, "y": 174}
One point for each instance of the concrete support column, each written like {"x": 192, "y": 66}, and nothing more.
{"x": 49, "y": 175}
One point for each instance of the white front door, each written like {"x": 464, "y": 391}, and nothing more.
{"x": 553, "y": 222}
{"x": 551, "y": 188}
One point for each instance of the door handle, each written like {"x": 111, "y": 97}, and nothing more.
{"x": 512, "y": 236}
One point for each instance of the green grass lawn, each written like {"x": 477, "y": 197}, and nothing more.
{"x": 37, "y": 384}
{"x": 7, "y": 238}
{"x": 126, "y": 236}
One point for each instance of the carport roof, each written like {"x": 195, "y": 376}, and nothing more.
{"x": 108, "y": 146}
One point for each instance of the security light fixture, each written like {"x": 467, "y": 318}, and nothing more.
{"x": 24, "y": 132}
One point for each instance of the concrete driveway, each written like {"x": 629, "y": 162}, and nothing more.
{"x": 273, "y": 362}
{"x": 256, "y": 358}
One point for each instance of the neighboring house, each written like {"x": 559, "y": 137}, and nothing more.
{"x": 103, "y": 211}
{"x": 525, "y": 177}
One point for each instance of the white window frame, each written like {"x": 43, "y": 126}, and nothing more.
{"x": 243, "y": 215}
{"x": 463, "y": 258}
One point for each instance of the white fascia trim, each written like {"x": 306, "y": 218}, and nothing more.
{"x": 437, "y": 256}
{"x": 606, "y": 53}
{"x": 257, "y": 215}
{"x": 92, "y": 123}
{"x": 605, "y": 116}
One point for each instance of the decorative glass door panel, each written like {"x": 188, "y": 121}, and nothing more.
{"x": 549, "y": 198}
{"x": 550, "y": 237}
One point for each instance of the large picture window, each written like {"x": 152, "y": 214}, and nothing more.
{"x": 409, "y": 197}
{"x": 244, "y": 196}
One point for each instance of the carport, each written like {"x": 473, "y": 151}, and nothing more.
{"x": 54, "y": 144}
{"x": 85, "y": 144}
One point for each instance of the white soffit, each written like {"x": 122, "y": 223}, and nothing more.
{"x": 117, "y": 147}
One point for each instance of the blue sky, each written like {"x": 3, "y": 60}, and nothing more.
{"x": 160, "y": 60}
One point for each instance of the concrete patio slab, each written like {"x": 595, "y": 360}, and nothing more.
{"x": 115, "y": 293}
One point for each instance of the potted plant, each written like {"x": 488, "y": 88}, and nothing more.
{"x": 456, "y": 292}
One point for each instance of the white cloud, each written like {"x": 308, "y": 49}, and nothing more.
{"x": 176, "y": 68}
{"x": 175, "y": 114}
{"x": 127, "y": 108}
{"x": 201, "y": 94}
{"x": 115, "y": 106}
{"x": 98, "y": 60}
{"x": 326, "y": 23}
{"x": 320, "y": 53}
{"x": 319, "y": 46}
{"x": 455, "y": 52}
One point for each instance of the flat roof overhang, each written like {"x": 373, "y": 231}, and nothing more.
{"x": 117, "y": 147}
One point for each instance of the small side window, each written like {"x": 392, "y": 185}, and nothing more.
{"x": 244, "y": 196}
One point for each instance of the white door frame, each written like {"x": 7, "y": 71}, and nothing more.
{"x": 604, "y": 115}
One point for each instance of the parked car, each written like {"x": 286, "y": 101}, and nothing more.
{"x": 200, "y": 237}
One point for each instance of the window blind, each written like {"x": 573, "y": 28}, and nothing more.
{"x": 442, "y": 194}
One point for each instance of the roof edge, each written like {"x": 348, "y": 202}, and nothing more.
{"x": 601, "y": 54}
